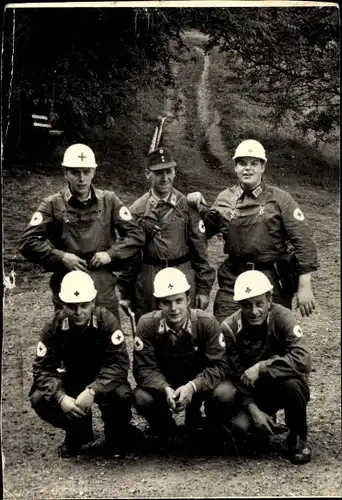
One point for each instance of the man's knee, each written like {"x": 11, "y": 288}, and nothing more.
{"x": 47, "y": 409}
{"x": 120, "y": 395}
{"x": 225, "y": 393}
{"x": 142, "y": 398}
{"x": 295, "y": 390}
{"x": 241, "y": 422}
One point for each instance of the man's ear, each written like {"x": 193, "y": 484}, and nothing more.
{"x": 147, "y": 173}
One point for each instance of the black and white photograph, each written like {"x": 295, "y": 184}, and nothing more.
{"x": 171, "y": 318}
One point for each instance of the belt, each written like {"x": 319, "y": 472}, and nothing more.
{"x": 247, "y": 265}
{"x": 166, "y": 262}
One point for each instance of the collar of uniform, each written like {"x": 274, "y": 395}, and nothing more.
{"x": 92, "y": 192}
{"x": 165, "y": 328}
{"x": 256, "y": 192}
{"x": 93, "y": 320}
{"x": 171, "y": 198}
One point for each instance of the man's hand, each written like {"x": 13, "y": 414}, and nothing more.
{"x": 183, "y": 395}
{"x": 305, "y": 298}
{"x": 201, "y": 301}
{"x": 261, "y": 419}
{"x": 73, "y": 262}
{"x": 169, "y": 392}
{"x": 85, "y": 400}
{"x": 99, "y": 259}
{"x": 251, "y": 375}
{"x": 70, "y": 408}
{"x": 196, "y": 199}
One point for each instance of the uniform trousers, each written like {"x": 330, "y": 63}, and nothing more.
{"x": 115, "y": 406}
{"x": 271, "y": 395}
{"x": 152, "y": 405}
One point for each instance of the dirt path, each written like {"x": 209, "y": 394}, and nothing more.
{"x": 33, "y": 469}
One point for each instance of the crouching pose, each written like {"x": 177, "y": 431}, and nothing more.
{"x": 179, "y": 358}
{"x": 268, "y": 365}
{"x": 82, "y": 359}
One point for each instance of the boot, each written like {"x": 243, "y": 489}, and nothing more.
{"x": 299, "y": 451}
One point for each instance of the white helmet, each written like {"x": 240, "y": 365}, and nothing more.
{"x": 78, "y": 156}
{"x": 251, "y": 284}
{"x": 250, "y": 147}
{"x": 170, "y": 281}
{"x": 76, "y": 287}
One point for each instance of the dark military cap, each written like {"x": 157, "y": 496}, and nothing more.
{"x": 160, "y": 158}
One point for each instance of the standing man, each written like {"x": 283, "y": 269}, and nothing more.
{"x": 258, "y": 221}
{"x": 175, "y": 237}
{"x": 81, "y": 360}
{"x": 75, "y": 229}
{"x": 179, "y": 358}
{"x": 268, "y": 366}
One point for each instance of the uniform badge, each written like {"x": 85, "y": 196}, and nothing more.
{"x": 298, "y": 214}
{"x": 125, "y": 214}
{"x": 201, "y": 226}
{"x": 222, "y": 342}
{"x": 138, "y": 344}
{"x": 297, "y": 331}
{"x": 36, "y": 219}
{"x": 117, "y": 337}
{"x": 41, "y": 349}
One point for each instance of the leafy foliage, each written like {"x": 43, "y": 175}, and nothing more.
{"x": 283, "y": 58}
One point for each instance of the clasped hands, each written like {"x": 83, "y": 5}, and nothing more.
{"x": 73, "y": 262}
{"x": 179, "y": 398}
{"x": 79, "y": 407}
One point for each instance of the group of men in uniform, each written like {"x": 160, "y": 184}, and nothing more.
{"x": 244, "y": 363}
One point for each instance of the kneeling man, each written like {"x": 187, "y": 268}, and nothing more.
{"x": 268, "y": 365}
{"x": 179, "y": 358}
{"x": 81, "y": 360}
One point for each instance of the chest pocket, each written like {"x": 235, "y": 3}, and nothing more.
{"x": 248, "y": 232}
{"x": 179, "y": 362}
{"x": 167, "y": 230}
{"x": 82, "y": 353}
{"x": 81, "y": 231}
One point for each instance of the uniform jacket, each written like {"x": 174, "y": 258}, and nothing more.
{"x": 96, "y": 356}
{"x": 279, "y": 345}
{"x": 64, "y": 224}
{"x": 198, "y": 355}
{"x": 258, "y": 225}
{"x": 173, "y": 230}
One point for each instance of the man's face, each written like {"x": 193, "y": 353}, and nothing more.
{"x": 79, "y": 314}
{"x": 255, "y": 309}
{"x": 175, "y": 309}
{"x": 249, "y": 171}
{"x": 161, "y": 180}
{"x": 79, "y": 180}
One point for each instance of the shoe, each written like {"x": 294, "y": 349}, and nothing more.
{"x": 113, "y": 449}
{"x": 299, "y": 451}
{"x": 70, "y": 447}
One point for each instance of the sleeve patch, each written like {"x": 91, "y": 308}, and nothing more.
{"x": 138, "y": 344}
{"x": 117, "y": 337}
{"x": 298, "y": 214}
{"x": 125, "y": 214}
{"x": 41, "y": 349}
{"x": 297, "y": 331}
{"x": 36, "y": 219}
{"x": 222, "y": 341}
{"x": 201, "y": 226}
